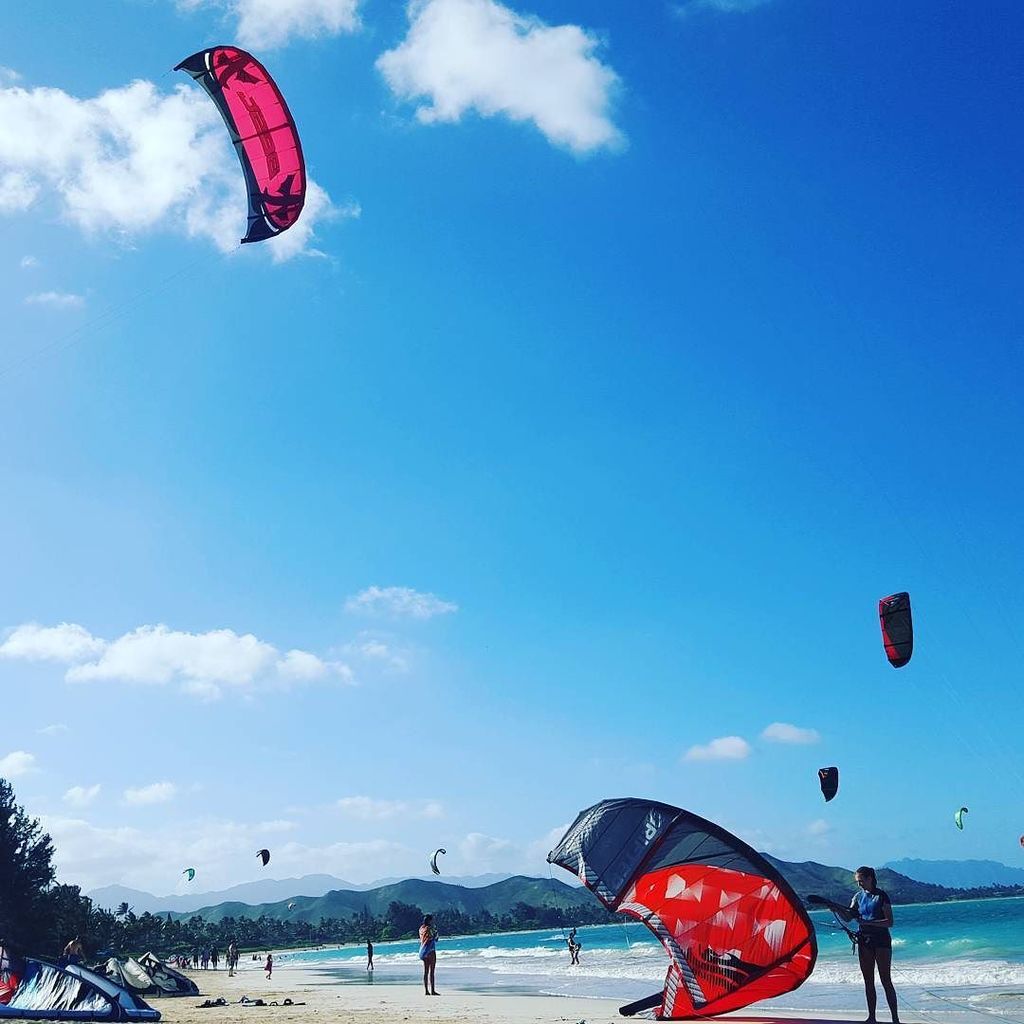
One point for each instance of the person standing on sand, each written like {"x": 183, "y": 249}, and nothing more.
{"x": 874, "y": 943}
{"x": 232, "y": 958}
{"x": 428, "y": 953}
{"x": 269, "y": 965}
{"x": 369, "y": 955}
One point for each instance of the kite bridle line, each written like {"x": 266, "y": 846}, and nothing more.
{"x": 112, "y": 313}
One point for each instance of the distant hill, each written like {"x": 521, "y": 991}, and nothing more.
{"x": 837, "y": 883}
{"x": 265, "y": 890}
{"x": 431, "y": 896}
{"x": 959, "y": 874}
{"x": 318, "y": 897}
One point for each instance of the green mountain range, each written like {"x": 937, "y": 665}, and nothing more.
{"x": 499, "y": 898}
{"x": 503, "y": 897}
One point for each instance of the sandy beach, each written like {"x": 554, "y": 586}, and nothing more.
{"x": 385, "y": 1003}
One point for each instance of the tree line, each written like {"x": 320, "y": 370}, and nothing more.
{"x": 38, "y": 914}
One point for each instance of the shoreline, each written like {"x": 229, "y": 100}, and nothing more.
{"x": 315, "y": 995}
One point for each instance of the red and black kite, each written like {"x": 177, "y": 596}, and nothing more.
{"x": 734, "y": 930}
{"x": 263, "y": 132}
{"x": 897, "y": 628}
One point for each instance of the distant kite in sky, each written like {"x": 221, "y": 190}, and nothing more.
{"x": 734, "y": 930}
{"x": 897, "y": 628}
{"x": 190, "y": 872}
{"x": 263, "y": 133}
{"x": 828, "y": 779}
{"x": 959, "y": 818}
{"x": 264, "y": 855}
{"x": 433, "y": 860}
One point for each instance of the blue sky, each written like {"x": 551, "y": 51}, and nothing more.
{"x": 620, "y": 365}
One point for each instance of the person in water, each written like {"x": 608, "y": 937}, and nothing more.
{"x": 428, "y": 953}
{"x": 369, "y": 955}
{"x": 574, "y": 948}
{"x": 874, "y": 943}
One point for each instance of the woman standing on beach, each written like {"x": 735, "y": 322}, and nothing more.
{"x": 269, "y": 965}
{"x": 874, "y": 945}
{"x": 428, "y": 953}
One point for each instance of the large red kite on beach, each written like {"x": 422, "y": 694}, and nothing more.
{"x": 734, "y": 931}
{"x": 263, "y": 133}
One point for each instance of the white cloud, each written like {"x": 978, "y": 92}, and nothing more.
{"x": 57, "y": 729}
{"x": 132, "y": 159}
{"x": 819, "y": 827}
{"x": 17, "y": 191}
{"x": 156, "y": 793}
{"x": 482, "y": 853}
{"x": 28, "y": 262}
{"x": 304, "y": 667}
{"x": 81, "y": 796}
{"x": 369, "y": 809}
{"x": 8, "y": 75}
{"x": 265, "y": 24}
{"x": 462, "y": 55}
{"x": 725, "y": 6}
{"x": 18, "y": 762}
{"x": 56, "y": 300}
{"x": 783, "y": 732}
{"x": 66, "y": 642}
{"x": 377, "y": 650}
{"x": 203, "y": 664}
{"x": 399, "y": 602}
{"x": 725, "y": 748}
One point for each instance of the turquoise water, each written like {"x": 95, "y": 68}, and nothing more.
{"x": 964, "y": 959}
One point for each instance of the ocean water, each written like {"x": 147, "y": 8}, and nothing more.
{"x": 951, "y": 961}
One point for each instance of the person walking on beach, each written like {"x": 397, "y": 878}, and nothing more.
{"x": 369, "y": 955}
{"x": 269, "y": 965}
{"x": 428, "y": 953}
{"x": 874, "y": 943}
{"x": 232, "y": 958}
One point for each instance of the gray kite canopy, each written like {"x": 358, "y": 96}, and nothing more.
{"x": 734, "y": 931}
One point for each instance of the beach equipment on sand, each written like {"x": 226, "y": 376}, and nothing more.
{"x": 264, "y": 855}
{"x": 433, "y": 860}
{"x": 49, "y": 992}
{"x": 734, "y": 930}
{"x": 959, "y": 818}
{"x": 828, "y": 779}
{"x": 897, "y": 628}
{"x": 169, "y": 981}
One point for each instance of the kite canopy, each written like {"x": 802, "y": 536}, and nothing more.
{"x": 264, "y": 855}
{"x": 433, "y": 860}
{"x": 959, "y": 818}
{"x": 169, "y": 981}
{"x": 190, "y": 872}
{"x": 734, "y": 930}
{"x": 828, "y": 779}
{"x": 48, "y": 992}
{"x": 897, "y": 628}
{"x": 263, "y": 133}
